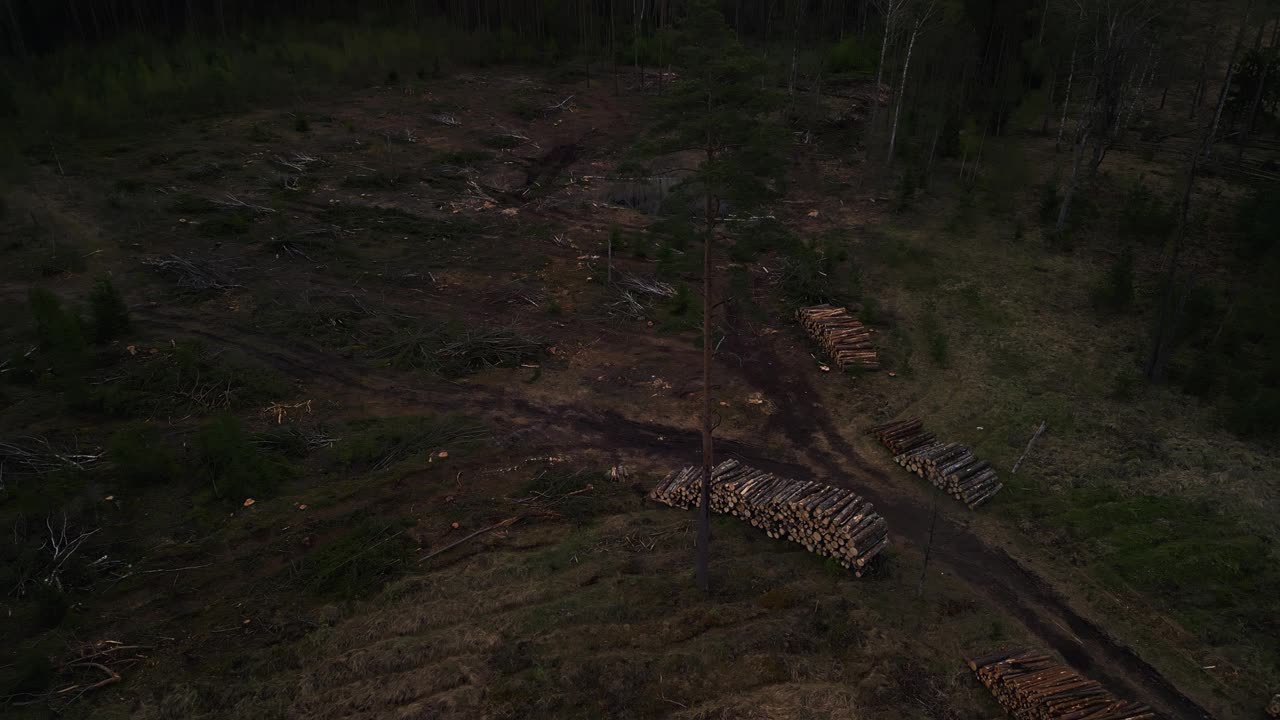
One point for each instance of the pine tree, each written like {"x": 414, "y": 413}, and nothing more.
{"x": 718, "y": 109}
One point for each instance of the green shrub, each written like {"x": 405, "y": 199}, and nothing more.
{"x": 186, "y": 378}
{"x": 1115, "y": 292}
{"x": 852, "y": 55}
{"x": 935, "y": 336}
{"x": 1259, "y": 223}
{"x": 380, "y": 443}
{"x": 1144, "y": 216}
{"x": 110, "y": 314}
{"x": 359, "y": 564}
{"x": 820, "y": 274}
{"x": 65, "y": 256}
{"x": 141, "y": 457}
{"x": 465, "y": 158}
{"x": 232, "y": 465}
{"x": 59, "y": 336}
{"x": 1257, "y": 416}
{"x": 52, "y": 606}
{"x": 767, "y": 235}
{"x": 1050, "y": 203}
{"x": 500, "y": 142}
{"x": 906, "y": 191}
{"x": 455, "y": 352}
{"x": 31, "y": 673}
{"x": 640, "y": 247}
{"x": 585, "y": 505}
{"x": 525, "y": 109}
{"x": 680, "y": 303}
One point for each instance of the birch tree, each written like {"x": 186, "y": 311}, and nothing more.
{"x": 922, "y": 16}
{"x": 889, "y": 10}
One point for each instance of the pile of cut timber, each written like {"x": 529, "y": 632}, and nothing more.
{"x": 1033, "y": 686}
{"x": 846, "y": 340}
{"x": 950, "y": 466}
{"x": 830, "y": 521}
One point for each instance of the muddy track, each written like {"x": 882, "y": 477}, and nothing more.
{"x": 817, "y": 451}
{"x": 1005, "y": 581}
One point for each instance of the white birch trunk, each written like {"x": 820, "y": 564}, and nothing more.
{"x": 902, "y": 90}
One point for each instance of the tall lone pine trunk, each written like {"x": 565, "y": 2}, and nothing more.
{"x": 702, "y": 565}
{"x": 703, "y": 569}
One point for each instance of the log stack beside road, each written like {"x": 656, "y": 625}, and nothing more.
{"x": 830, "y": 521}
{"x": 1031, "y": 685}
{"x": 949, "y": 466}
{"x": 846, "y": 340}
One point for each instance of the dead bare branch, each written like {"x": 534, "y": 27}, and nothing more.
{"x": 234, "y": 203}
{"x": 192, "y": 273}
{"x": 504, "y": 523}
{"x": 558, "y": 106}
{"x": 444, "y": 119}
{"x": 38, "y": 456}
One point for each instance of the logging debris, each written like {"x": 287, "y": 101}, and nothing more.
{"x": 1031, "y": 685}
{"x": 193, "y": 273}
{"x": 952, "y": 467}
{"x": 846, "y": 340}
{"x": 830, "y": 521}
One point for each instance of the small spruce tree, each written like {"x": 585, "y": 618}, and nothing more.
{"x": 110, "y": 314}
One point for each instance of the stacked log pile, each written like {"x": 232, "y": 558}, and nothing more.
{"x": 846, "y": 340}
{"x": 830, "y": 521}
{"x": 949, "y": 466}
{"x": 1033, "y": 686}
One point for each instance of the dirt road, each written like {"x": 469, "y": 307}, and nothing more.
{"x": 815, "y": 449}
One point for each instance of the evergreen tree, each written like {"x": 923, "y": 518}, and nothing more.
{"x": 718, "y": 109}
{"x": 110, "y": 314}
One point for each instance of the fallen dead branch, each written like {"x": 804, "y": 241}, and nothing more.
{"x": 192, "y": 273}
{"x": 472, "y": 351}
{"x": 1030, "y": 442}
{"x": 208, "y": 395}
{"x": 557, "y": 107}
{"x": 61, "y": 546}
{"x": 629, "y": 305}
{"x": 504, "y": 523}
{"x": 294, "y": 435}
{"x": 298, "y": 162}
{"x": 444, "y": 119}
{"x": 93, "y": 666}
{"x": 234, "y": 203}
{"x": 39, "y": 456}
{"x": 280, "y": 410}
{"x": 653, "y": 287}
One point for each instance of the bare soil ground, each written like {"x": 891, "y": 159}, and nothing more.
{"x": 345, "y": 228}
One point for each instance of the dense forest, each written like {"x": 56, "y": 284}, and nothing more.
{"x": 1187, "y": 79}
{"x": 466, "y": 278}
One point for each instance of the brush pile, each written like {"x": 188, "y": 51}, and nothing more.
{"x": 846, "y": 340}
{"x": 830, "y": 521}
{"x": 1033, "y": 686}
{"x": 949, "y": 466}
